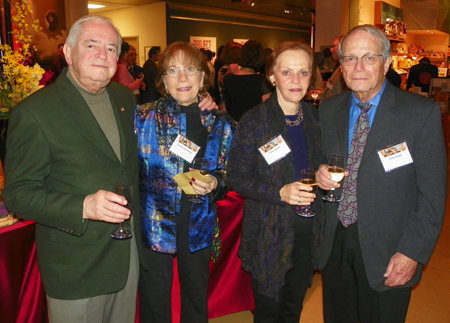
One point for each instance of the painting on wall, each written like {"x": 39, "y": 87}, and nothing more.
{"x": 384, "y": 10}
{"x": 52, "y": 19}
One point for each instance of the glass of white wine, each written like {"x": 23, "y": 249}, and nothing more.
{"x": 307, "y": 178}
{"x": 123, "y": 232}
{"x": 336, "y": 169}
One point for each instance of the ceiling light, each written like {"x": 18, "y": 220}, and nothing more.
{"x": 95, "y": 6}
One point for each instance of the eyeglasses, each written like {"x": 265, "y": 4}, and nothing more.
{"x": 175, "y": 71}
{"x": 368, "y": 59}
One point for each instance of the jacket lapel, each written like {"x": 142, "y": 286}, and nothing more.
{"x": 342, "y": 116}
{"x": 124, "y": 122}
{"x": 384, "y": 118}
{"x": 82, "y": 118}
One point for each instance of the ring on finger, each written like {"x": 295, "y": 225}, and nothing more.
{"x": 300, "y": 200}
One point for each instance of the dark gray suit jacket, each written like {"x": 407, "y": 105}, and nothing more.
{"x": 401, "y": 210}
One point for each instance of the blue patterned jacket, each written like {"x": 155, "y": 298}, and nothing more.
{"x": 157, "y": 126}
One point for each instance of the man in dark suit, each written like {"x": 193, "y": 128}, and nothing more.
{"x": 335, "y": 83}
{"x": 151, "y": 93}
{"x": 379, "y": 237}
{"x": 135, "y": 70}
{"x": 421, "y": 74}
{"x": 68, "y": 144}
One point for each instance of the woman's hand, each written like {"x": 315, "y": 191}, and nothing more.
{"x": 207, "y": 103}
{"x": 296, "y": 194}
{"x": 203, "y": 188}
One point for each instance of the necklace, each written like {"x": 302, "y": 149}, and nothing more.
{"x": 297, "y": 121}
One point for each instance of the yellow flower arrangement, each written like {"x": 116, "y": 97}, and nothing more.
{"x": 18, "y": 80}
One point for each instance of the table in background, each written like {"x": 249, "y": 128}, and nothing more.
{"x": 22, "y": 298}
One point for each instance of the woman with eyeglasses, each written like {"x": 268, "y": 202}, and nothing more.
{"x": 273, "y": 143}
{"x": 174, "y": 137}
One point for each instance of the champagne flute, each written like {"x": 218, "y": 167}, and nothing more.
{"x": 307, "y": 178}
{"x": 197, "y": 164}
{"x": 126, "y": 191}
{"x": 336, "y": 169}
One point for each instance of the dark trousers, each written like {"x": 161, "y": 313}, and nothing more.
{"x": 155, "y": 284}
{"x": 348, "y": 298}
{"x": 290, "y": 302}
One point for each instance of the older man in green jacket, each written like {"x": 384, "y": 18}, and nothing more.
{"x": 68, "y": 144}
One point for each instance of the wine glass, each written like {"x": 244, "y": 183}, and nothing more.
{"x": 336, "y": 169}
{"x": 126, "y": 191}
{"x": 198, "y": 163}
{"x": 308, "y": 178}
{"x": 315, "y": 96}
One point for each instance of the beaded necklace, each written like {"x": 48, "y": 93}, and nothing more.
{"x": 297, "y": 121}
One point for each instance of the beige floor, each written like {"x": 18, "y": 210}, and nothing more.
{"x": 430, "y": 302}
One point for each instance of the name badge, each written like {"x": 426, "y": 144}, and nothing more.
{"x": 395, "y": 156}
{"x": 274, "y": 150}
{"x": 184, "y": 148}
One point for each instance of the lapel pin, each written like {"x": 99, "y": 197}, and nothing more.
{"x": 122, "y": 109}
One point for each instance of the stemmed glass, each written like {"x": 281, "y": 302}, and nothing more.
{"x": 308, "y": 178}
{"x": 336, "y": 169}
{"x": 126, "y": 191}
{"x": 315, "y": 96}
{"x": 197, "y": 164}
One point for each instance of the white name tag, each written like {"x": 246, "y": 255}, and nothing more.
{"x": 395, "y": 156}
{"x": 184, "y": 148}
{"x": 274, "y": 150}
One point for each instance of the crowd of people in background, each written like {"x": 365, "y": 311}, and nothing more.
{"x": 106, "y": 120}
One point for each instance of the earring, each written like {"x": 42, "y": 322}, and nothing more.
{"x": 167, "y": 90}
{"x": 274, "y": 84}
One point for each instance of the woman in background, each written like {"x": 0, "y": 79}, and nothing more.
{"x": 229, "y": 58}
{"x": 244, "y": 88}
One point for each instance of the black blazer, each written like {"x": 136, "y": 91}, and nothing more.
{"x": 402, "y": 210}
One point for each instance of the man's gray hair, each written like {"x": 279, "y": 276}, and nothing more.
{"x": 374, "y": 31}
{"x": 75, "y": 31}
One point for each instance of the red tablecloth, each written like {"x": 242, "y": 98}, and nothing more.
{"x": 22, "y": 298}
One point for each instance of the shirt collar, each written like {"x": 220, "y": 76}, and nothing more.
{"x": 374, "y": 101}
